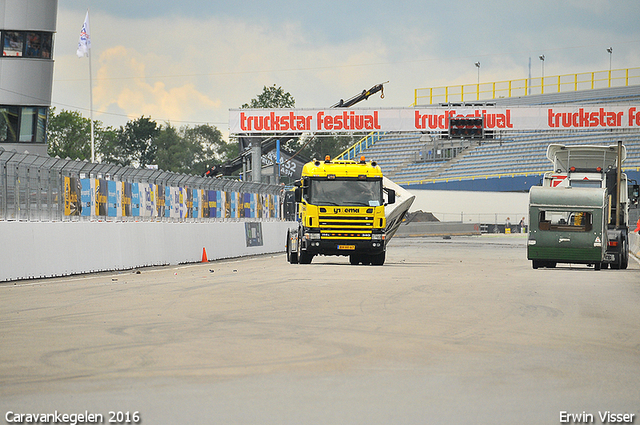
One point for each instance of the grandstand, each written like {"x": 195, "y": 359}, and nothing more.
{"x": 511, "y": 160}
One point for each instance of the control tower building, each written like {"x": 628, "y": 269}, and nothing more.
{"x": 27, "y": 29}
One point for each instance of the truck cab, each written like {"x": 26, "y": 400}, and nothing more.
{"x": 340, "y": 211}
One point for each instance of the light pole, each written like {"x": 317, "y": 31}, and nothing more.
{"x": 542, "y": 77}
{"x": 477, "y": 64}
{"x": 610, "y": 50}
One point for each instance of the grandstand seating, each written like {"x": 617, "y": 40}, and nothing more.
{"x": 512, "y": 153}
{"x": 394, "y": 150}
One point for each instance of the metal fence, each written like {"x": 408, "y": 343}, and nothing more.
{"x": 40, "y": 188}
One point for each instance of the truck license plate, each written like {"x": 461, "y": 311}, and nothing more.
{"x": 351, "y": 247}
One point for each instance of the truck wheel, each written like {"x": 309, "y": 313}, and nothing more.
{"x": 624, "y": 263}
{"x": 535, "y": 264}
{"x": 292, "y": 257}
{"x": 597, "y": 266}
{"x": 378, "y": 259}
{"x": 354, "y": 259}
{"x": 305, "y": 257}
{"x": 287, "y": 249}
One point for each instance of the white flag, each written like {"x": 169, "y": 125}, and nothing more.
{"x": 85, "y": 39}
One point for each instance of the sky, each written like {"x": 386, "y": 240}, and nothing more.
{"x": 189, "y": 62}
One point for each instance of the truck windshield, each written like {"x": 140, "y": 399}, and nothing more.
{"x": 346, "y": 192}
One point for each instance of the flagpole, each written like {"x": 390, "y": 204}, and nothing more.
{"x": 84, "y": 49}
{"x": 93, "y": 148}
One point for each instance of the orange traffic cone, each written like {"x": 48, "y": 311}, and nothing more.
{"x": 204, "y": 255}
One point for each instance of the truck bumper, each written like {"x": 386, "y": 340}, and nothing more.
{"x": 342, "y": 247}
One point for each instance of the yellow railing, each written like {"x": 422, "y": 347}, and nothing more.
{"x": 461, "y": 178}
{"x": 356, "y": 149}
{"x": 526, "y": 86}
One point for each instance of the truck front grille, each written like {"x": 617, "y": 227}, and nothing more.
{"x": 346, "y": 227}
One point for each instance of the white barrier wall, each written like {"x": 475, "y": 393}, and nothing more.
{"x": 634, "y": 243}
{"x": 46, "y": 249}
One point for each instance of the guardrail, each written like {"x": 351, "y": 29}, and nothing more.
{"x": 40, "y": 188}
{"x": 527, "y": 86}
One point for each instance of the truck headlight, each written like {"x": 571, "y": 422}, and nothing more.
{"x": 312, "y": 236}
{"x": 377, "y": 236}
{"x": 531, "y": 242}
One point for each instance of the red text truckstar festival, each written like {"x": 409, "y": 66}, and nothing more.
{"x": 281, "y": 121}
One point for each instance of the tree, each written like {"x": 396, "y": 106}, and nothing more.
{"x": 134, "y": 144}
{"x": 171, "y": 154}
{"x": 209, "y": 139}
{"x": 140, "y": 142}
{"x": 229, "y": 151}
{"x": 272, "y": 97}
{"x": 329, "y": 144}
{"x": 212, "y": 149}
{"x": 69, "y": 135}
{"x": 191, "y": 150}
{"x": 106, "y": 145}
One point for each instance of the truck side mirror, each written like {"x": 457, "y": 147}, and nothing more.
{"x": 391, "y": 196}
{"x": 634, "y": 194}
{"x": 298, "y": 194}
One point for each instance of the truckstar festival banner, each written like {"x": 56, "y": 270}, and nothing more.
{"x": 283, "y": 121}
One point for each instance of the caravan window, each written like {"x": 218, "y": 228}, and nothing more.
{"x": 573, "y": 221}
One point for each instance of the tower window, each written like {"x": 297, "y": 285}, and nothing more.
{"x": 25, "y": 124}
{"x": 28, "y": 44}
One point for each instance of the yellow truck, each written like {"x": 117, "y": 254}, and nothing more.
{"x": 340, "y": 210}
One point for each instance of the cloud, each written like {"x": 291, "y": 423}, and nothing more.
{"x": 195, "y": 69}
{"x": 136, "y": 95}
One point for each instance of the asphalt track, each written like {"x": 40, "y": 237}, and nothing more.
{"x": 447, "y": 331}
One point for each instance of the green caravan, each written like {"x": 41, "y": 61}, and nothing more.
{"x": 581, "y": 167}
{"x": 567, "y": 225}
